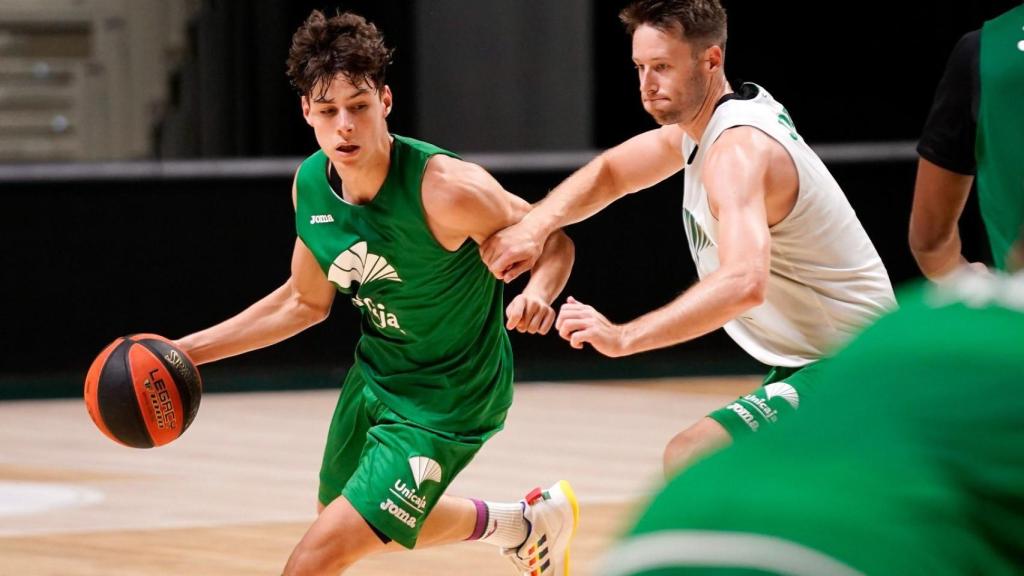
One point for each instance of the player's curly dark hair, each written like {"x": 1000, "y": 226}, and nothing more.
{"x": 702, "y": 22}
{"x": 345, "y": 44}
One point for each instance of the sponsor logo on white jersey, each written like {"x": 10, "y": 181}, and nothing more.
{"x": 321, "y": 219}
{"x": 695, "y": 235}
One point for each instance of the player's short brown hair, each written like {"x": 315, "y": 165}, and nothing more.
{"x": 344, "y": 44}
{"x": 701, "y": 22}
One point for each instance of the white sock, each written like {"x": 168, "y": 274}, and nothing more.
{"x": 506, "y": 526}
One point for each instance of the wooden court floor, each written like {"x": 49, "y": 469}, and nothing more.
{"x": 234, "y": 495}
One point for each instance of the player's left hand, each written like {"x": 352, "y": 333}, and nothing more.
{"x": 528, "y": 313}
{"x": 579, "y": 324}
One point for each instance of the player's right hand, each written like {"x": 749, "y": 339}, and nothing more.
{"x": 512, "y": 251}
{"x": 528, "y": 313}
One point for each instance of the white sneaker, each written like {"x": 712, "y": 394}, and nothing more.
{"x": 552, "y": 516}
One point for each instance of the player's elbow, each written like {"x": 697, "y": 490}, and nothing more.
{"x": 927, "y": 240}
{"x": 751, "y": 287}
{"x": 565, "y": 246}
{"x": 308, "y": 311}
{"x": 316, "y": 313}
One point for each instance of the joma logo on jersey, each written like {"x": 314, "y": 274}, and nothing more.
{"x": 744, "y": 415}
{"x": 356, "y": 268}
{"x": 397, "y": 511}
{"x": 321, "y": 219}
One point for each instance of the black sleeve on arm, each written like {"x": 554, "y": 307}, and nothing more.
{"x": 948, "y": 136}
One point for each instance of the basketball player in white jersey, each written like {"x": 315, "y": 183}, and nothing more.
{"x": 784, "y": 265}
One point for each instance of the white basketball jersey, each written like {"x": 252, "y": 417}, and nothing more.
{"x": 826, "y": 279}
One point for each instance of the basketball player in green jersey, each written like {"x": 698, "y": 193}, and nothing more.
{"x": 976, "y": 126}
{"x": 784, "y": 264}
{"x": 909, "y": 461}
{"x": 394, "y": 224}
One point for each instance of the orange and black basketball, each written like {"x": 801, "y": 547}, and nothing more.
{"x": 142, "y": 391}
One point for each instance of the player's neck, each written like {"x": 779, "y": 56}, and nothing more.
{"x": 695, "y": 127}
{"x": 360, "y": 183}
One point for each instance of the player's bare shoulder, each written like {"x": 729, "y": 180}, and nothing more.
{"x": 453, "y": 192}
{"x": 746, "y": 159}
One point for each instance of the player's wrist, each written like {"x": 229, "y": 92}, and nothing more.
{"x": 539, "y": 225}
{"x": 627, "y": 337}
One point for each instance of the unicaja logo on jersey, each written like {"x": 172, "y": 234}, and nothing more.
{"x": 356, "y": 268}
{"x": 424, "y": 469}
{"x": 785, "y": 391}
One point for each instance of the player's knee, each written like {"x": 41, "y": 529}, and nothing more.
{"x": 692, "y": 444}
{"x": 680, "y": 452}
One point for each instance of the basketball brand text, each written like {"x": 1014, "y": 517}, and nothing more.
{"x": 175, "y": 359}
{"x": 163, "y": 408}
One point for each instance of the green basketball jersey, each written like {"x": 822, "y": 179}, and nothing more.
{"x": 1000, "y": 138}
{"x": 433, "y": 346}
{"x": 908, "y": 461}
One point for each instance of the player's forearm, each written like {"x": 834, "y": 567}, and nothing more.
{"x": 551, "y": 273}
{"x": 588, "y": 191}
{"x": 706, "y": 306}
{"x": 937, "y": 258}
{"x": 278, "y": 316}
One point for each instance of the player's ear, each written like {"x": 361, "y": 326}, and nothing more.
{"x": 306, "y": 109}
{"x": 715, "y": 57}
{"x": 386, "y": 98}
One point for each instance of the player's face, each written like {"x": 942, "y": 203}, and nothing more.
{"x": 349, "y": 121}
{"x": 673, "y": 83}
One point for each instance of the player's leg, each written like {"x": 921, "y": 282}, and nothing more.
{"x": 393, "y": 474}
{"x": 336, "y": 540}
{"x": 686, "y": 447}
{"x": 533, "y": 534}
{"x": 781, "y": 393}
{"x": 452, "y": 520}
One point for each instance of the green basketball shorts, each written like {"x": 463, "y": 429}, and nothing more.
{"x": 392, "y": 470}
{"x": 778, "y": 395}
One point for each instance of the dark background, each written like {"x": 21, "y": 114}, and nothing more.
{"x": 87, "y": 261}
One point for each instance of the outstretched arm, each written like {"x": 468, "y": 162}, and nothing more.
{"x": 736, "y": 177}
{"x": 303, "y": 300}
{"x": 636, "y": 164}
{"x": 463, "y": 201}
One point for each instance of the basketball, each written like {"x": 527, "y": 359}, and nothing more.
{"x": 142, "y": 391}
